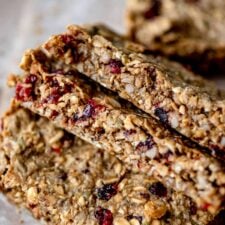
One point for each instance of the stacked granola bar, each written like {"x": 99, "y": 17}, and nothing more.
{"x": 102, "y": 132}
{"x": 64, "y": 180}
{"x": 191, "y": 31}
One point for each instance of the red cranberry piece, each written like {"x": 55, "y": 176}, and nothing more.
{"x": 54, "y": 114}
{"x": 53, "y": 82}
{"x": 53, "y": 98}
{"x": 56, "y": 150}
{"x": 23, "y": 93}
{"x": 66, "y": 38}
{"x": 91, "y": 109}
{"x": 31, "y": 79}
{"x": 104, "y": 216}
{"x": 158, "y": 189}
{"x": 162, "y": 115}
{"x": 57, "y": 91}
{"x": 107, "y": 191}
{"x": 70, "y": 43}
{"x": 115, "y": 66}
{"x": 154, "y": 10}
{"x": 67, "y": 88}
{"x": 145, "y": 145}
{"x": 206, "y": 206}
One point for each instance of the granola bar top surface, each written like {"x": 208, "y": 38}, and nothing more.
{"x": 165, "y": 90}
{"x": 102, "y": 118}
{"x": 189, "y": 31}
{"x": 64, "y": 180}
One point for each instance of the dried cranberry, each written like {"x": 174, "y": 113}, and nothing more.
{"x": 107, "y": 191}
{"x": 66, "y": 38}
{"x": 90, "y": 110}
{"x": 23, "y": 93}
{"x": 206, "y": 206}
{"x": 162, "y": 115}
{"x": 53, "y": 98}
{"x": 138, "y": 218}
{"x": 67, "y": 88}
{"x": 104, "y": 216}
{"x": 144, "y": 146}
{"x": 154, "y": 10}
{"x": 54, "y": 114}
{"x": 52, "y": 82}
{"x": 57, "y": 91}
{"x": 56, "y": 150}
{"x": 70, "y": 43}
{"x": 158, "y": 189}
{"x": 115, "y": 66}
{"x": 31, "y": 79}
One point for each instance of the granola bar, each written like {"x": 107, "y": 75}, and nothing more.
{"x": 165, "y": 90}
{"x": 64, "y": 180}
{"x": 100, "y": 117}
{"x": 191, "y": 31}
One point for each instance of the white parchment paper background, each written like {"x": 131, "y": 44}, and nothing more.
{"x": 27, "y": 23}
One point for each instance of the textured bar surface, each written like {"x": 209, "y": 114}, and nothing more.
{"x": 100, "y": 117}
{"x": 165, "y": 90}
{"x": 64, "y": 180}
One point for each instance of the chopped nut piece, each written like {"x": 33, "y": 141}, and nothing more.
{"x": 155, "y": 209}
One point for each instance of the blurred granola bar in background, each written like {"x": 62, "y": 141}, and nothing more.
{"x": 189, "y": 31}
